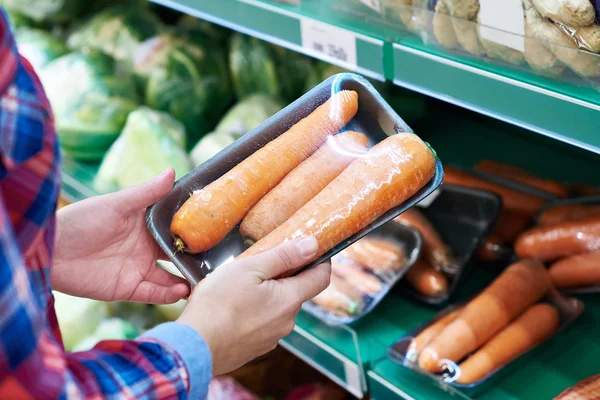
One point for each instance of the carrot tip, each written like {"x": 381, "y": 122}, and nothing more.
{"x": 179, "y": 244}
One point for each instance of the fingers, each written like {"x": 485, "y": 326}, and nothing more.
{"x": 165, "y": 278}
{"x": 284, "y": 258}
{"x": 309, "y": 283}
{"x": 141, "y": 196}
{"x": 152, "y": 293}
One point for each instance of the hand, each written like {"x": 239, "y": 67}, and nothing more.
{"x": 103, "y": 249}
{"x": 241, "y": 311}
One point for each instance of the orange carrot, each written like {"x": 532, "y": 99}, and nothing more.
{"x": 518, "y": 287}
{"x": 213, "y": 211}
{"x": 377, "y": 254}
{"x": 437, "y": 253}
{"x": 537, "y": 324}
{"x": 340, "y": 298}
{"x": 303, "y": 183}
{"x": 390, "y": 173}
{"x": 568, "y": 212}
{"x": 576, "y": 272}
{"x": 582, "y": 190}
{"x": 429, "y": 333}
{"x": 355, "y": 275}
{"x": 520, "y": 175}
{"x": 426, "y": 280}
{"x": 512, "y": 200}
{"x": 548, "y": 243}
{"x": 491, "y": 249}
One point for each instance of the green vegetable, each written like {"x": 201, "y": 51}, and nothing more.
{"x": 77, "y": 317}
{"x": 195, "y": 28}
{"x": 90, "y": 100}
{"x": 293, "y": 72}
{"x": 151, "y": 142}
{"x": 110, "y": 329}
{"x": 18, "y": 20}
{"x": 116, "y": 31}
{"x": 56, "y": 11}
{"x": 38, "y": 46}
{"x": 252, "y": 67}
{"x": 171, "y": 312}
{"x": 188, "y": 81}
{"x": 241, "y": 118}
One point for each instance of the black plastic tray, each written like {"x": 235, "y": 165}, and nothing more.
{"x": 570, "y": 309}
{"x": 576, "y": 200}
{"x": 375, "y": 118}
{"x": 463, "y": 217}
{"x": 409, "y": 239}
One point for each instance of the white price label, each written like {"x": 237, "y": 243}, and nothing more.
{"x": 503, "y": 24}
{"x": 329, "y": 41}
{"x": 352, "y": 373}
{"x": 427, "y": 201}
{"x": 374, "y": 4}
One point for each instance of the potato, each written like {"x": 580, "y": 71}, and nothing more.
{"x": 574, "y": 13}
{"x": 443, "y": 29}
{"x": 537, "y": 54}
{"x": 464, "y": 9}
{"x": 588, "y": 38}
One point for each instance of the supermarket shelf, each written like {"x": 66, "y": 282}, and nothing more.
{"x": 558, "y": 110}
{"x": 294, "y": 28}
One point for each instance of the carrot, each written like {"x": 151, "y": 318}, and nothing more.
{"x": 536, "y": 324}
{"x": 303, "y": 183}
{"x": 512, "y": 200}
{"x": 437, "y": 253}
{"x": 568, "y": 212}
{"x": 575, "y": 272}
{"x": 213, "y": 211}
{"x": 491, "y": 249}
{"x": 355, "y": 275}
{"x": 388, "y": 175}
{"x": 426, "y": 280}
{"x": 377, "y": 254}
{"x": 520, "y": 175}
{"x": 340, "y": 298}
{"x": 509, "y": 225}
{"x": 582, "y": 190}
{"x": 548, "y": 243}
{"x": 429, "y": 333}
{"x": 518, "y": 287}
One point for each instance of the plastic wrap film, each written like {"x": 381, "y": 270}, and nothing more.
{"x": 469, "y": 346}
{"x": 554, "y": 38}
{"x": 335, "y": 164}
{"x": 364, "y": 273}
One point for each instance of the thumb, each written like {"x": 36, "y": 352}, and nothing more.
{"x": 144, "y": 195}
{"x": 284, "y": 259}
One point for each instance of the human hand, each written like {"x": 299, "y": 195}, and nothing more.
{"x": 241, "y": 311}
{"x": 103, "y": 249}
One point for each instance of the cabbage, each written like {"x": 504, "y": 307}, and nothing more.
{"x": 116, "y": 31}
{"x": 91, "y": 101}
{"x": 252, "y": 67}
{"x": 293, "y": 72}
{"x": 77, "y": 317}
{"x": 187, "y": 80}
{"x": 171, "y": 312}
{"x": 110, "y": 329}
{"x": 241, "y": 118}
{"x": 39, "y": 47}
{"x": 198, "y": 28}
{"x": 151, "y": 142}
{"x": 57, "y": 11}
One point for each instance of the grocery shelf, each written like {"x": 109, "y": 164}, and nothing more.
{"x": 559, "y": 110}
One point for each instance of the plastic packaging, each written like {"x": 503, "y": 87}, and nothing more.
{"x": 462, "y": 217}
{"x": 530, "y": 327}
{"x": 578, "y": 273}
{"x": 554, "y": 38}
{"x": 356, "y": 288}
{"x": 399, "y": 171}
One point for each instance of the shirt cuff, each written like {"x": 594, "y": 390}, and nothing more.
{"x": 192, "y": 349}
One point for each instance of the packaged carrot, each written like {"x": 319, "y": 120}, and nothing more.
{"x": 340, "y": 150}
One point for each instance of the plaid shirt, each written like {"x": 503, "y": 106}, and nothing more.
{"x": 33, "y": 362}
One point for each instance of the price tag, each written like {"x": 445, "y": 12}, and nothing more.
{"x": 373, "y": 4}
{"x": 353, "y": 379}
{"x": 329, "y": 42}
{"x": 427, "y": 201}
{"x": 503, "y": 24}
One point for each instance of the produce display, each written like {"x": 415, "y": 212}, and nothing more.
{"x": 555, "y": 38}
{"x": 517, "y": 312}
